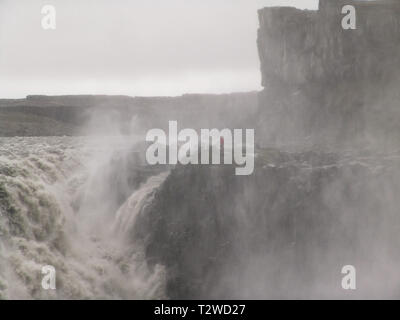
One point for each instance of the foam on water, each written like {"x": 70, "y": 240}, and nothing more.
{"x": 52, "y": 213}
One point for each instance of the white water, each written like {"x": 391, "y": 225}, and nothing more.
{"x": 54, "y": 210}
{"x": 137, "y": 203}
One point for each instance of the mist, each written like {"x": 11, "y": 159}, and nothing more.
{"x": 78, "y": 193}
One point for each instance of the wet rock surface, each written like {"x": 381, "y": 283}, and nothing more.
{"x": 284, "y": 232}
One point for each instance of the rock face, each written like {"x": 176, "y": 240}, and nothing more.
{"x": 327, "y": 84}
{"x": 287, "y": 230}
{"x": 284, "y": 232}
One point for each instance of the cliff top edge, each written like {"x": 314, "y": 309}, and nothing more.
{"x": 333, "y": 4}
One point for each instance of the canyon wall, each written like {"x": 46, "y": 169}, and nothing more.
{"x": 324, "y": 84}
{"x": 284, "y": 232}
{"x": 287, "y": 230}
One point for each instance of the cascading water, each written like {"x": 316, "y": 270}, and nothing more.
{"x": 137, "y": 203}
{"x": 57, "y": 208}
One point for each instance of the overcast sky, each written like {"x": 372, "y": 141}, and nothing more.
{"x": 131, "y": 47}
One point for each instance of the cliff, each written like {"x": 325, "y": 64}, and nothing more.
{"x": 284, "y": 232}
{"x": 326, "y": 84}
{"x": 287, "y": 230}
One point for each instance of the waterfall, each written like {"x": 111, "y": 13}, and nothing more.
{"x": 137, "y": 203}
{"x": 54, "y": 193}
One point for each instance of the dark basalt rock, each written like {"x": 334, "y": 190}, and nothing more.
{"x": 284, "y": 232}
{"x": 325, "y": 84}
